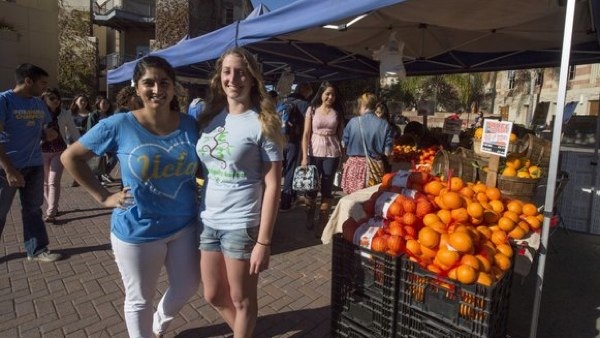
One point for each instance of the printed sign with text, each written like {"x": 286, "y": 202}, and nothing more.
{"x": 496, "y": 136}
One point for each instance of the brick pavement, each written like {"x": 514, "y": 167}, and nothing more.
{"x": 82, "y": 295}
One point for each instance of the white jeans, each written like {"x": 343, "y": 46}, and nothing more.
{"x": 140, "y": 266}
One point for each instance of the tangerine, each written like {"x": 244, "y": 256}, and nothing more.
{"x": 430, "y": 219}
{"x": 447, "y": 257}
{"x": 456, "y": 184}
{"x": 513, "y": 216}
{"x": 475, "y": 210}
{"x": 515, "y": 206}
{"x": 517, "y": 233}
{"x": 460, "y": 215}
{"x": 471, "y": 261}
{"x": 493, "y": 193}
{"x": 502, "y": 261}
{"x": 409, "y": 218}
{"x": 497, "y": 206}
{"x": 484, "y": 231}
{"x": 413, "y": 247}
{"x": 479, "y": 187}
{"x": 409, "y": 205}
{"x": 484, "y": 263}
{"x": 506, "y": 224}
{"x": 490, "y": 217}
{"x": 452, "y": 200}
{"x": 529, "y": 209}
{"x": 466, "y": 274}
{"x": 505, "y": 249}
{"x": 499, "y": 237}
{"x": 481, "y": 197}
{"x": 461, "y": 241}
{"x": 534, "y": 222}
{"x": 467, "y": 192}
{"x": 433, "y": 187}
{"x": 445, "y": 216}
{"x": 429, "y": 238}
{"x": 485, "y": 279}
{"x": 427, "y": 253}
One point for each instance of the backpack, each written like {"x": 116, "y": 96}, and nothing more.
{"x": 292, "y": 121}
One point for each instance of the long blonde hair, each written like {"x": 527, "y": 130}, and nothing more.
{"x": 259, "y": 98}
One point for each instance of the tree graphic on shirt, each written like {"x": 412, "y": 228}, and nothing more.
{"x": 217, "y": 146}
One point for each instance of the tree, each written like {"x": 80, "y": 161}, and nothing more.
{"x": 77, "y": 52}
{"x": 172, "y": 22}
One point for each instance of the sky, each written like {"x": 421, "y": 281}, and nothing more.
{"x": 271, "y": 4}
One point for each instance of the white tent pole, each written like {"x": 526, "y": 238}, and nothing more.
{"x": 556, "y": 135}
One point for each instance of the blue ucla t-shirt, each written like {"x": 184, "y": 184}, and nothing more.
{"x": 23, "y": 120}
{"x": 160, "y": 170}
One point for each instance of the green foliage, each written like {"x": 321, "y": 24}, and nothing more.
{"x": 172, "y": 21}
{"x": 77, "y": 54}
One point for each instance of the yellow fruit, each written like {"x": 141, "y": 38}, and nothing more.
{"x": 535, "y": 171}
{"x": 478, "y": 133}
{"x": 509, "y": 171}
{"x": 513, "y": 137}
{"x": 514, "y": 163}
{"x": 523, "y": 174}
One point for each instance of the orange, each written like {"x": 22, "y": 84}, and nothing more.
{"x": 502, "y": 261}
{"x": 534, "y": 222}
{"x": 452, "y": 200}
{"x": 524, "y": 225}
{"x": 445, "y": 216}
{"x": 409, "y": 218}
{"x": 506, "y": 224}
{"x": 430, "y": 219}
{"x": 439, "y": 226}
{"x": 529, "y": 209}
{"x": 505, "y": 249}
{"x": 484, "y": 263}
{"x": 479, "y": 187}
{"x": 427, "y": 253}
{"x": 499, "y": 237}
{"x": 513, "y": 137}
{"x": 484, "y": 231}
{"x": 433, "y": 187}
{"x": 409, "y": 205}
{"x": 493, "y": 193}
{"x": 490, "y": 216}
{"x": 395, "y": 210}
{"x": 471, "y": 261}
{"x": 447, "y": 257}
{"x": 429, "y": 238}
{"x": 514, "y": 164}
{"x": 485, "y": 279}
{"x": 497, "y": 206}
{"x": 476, "y": 221}
{"x": 461, "y": 241}
{"x": 413, "y": 247}
{"x": 466, "y": 274}
{"x": 517, "y": 233}
{"x": 467, "y": 192}
{"x": 452, "y": 274}
{"x": 481, "y": 197}
{"x": 460, "y": 215}
{"x": 456, "y": 183}
{"x": 513, "y": 216}
{"x": 434, "y": 268}
{"x": 515, "y": 206}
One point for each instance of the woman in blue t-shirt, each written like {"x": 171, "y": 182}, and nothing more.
{"x": 240, "y": 149}
{"x": 154, "y": 219}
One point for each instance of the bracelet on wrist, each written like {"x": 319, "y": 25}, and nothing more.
{"x": 263, "y": 244}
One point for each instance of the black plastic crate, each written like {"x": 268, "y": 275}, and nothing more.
{"x": 345, "y": 328}
{"x": 364, "y": 288}
{"x": 415, "y": 324}
{"x": 371, "y": 272}
{"x": 478, "y": 310}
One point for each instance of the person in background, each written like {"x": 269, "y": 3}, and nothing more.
{"x": 274, "y": 96}
{"x": 364, "y": 131}
{"x": 63, "y": 124}
{"x": 240, "y": 149}
{"x": 323, "y": 127}
{"x": 196, "y": 107}
{"x": 292, "y": 149}
{"x": 103, "y": 109}
{"x": 80, "y": 111}
{"x": 127, "y": 100}
{"x": 382, "y": 111}
{"x": 22, "y": 118}
{"x": 154, "y": 219}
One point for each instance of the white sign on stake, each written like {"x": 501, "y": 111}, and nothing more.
{"x": 496, "y": 137}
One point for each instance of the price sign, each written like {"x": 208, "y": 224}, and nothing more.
{"x": 496, "y": 136}
{"x": 452, "y": 126}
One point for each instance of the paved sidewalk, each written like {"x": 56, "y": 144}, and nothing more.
{"x": 82, "y": 295}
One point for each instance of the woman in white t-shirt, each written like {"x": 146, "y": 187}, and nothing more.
{"x": 240, "y": 148}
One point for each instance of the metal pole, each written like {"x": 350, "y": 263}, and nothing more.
{"x": 549, "y": 202}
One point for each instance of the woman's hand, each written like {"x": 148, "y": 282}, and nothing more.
{"x": 122, "y": 199}
{"x": 259, "y": 259}
{"x": 304, "y": 163}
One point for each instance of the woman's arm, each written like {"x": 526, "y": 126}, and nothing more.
{"x": 75, "y": 161}
{"x": 68, "y": 130}
{"x": 259, "y": 260}
{"x": 306, "y": 135}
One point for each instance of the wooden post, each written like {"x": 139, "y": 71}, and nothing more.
{"x": 492, "y": 173}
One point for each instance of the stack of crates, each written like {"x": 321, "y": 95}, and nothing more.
{"x": 434, "y": 306}
{"x": 364, "y": 291}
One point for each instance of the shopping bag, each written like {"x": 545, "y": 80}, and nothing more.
{"x": 305, "y": 178}
{"x": 375, "y": 171}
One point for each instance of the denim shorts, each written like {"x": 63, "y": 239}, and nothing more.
{"x": 236, "y": 244}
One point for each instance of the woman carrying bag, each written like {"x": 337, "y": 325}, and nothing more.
{"x": 323, "y": 125}
{"x": 368, "y": 141}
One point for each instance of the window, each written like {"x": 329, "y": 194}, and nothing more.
{"x": 571, "y": 72}
{"x": 511, "y": 79}
{"x": 228, "y": 14}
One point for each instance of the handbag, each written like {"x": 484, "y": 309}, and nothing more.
{"x": 305, "y": 178}
{"x": 375, "y": 167}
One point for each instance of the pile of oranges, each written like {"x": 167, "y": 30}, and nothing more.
{"x": 454, "y": 229}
